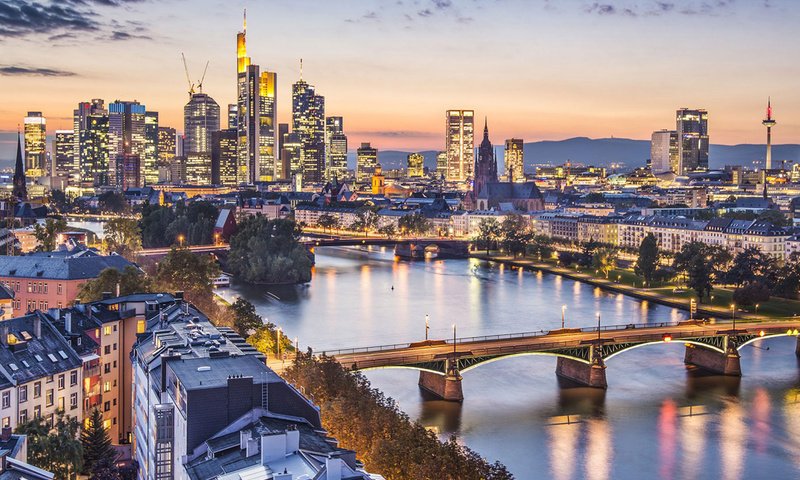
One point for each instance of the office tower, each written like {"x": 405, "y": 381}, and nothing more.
{"x": 125, "y": 136}
{"x": 291, "y": 153}
{"x": 63, "y": 155}
{"x": 308, "y": 122}
{"x": 441, "y": 164}
{"x": 177, "y": 170}
{"x": 150, "y": 161}
{"x": 336, "y": 142}
{"x": 91, "y": 155}
{"x": 19, "y": 187}
{"x": 769, "y": 122}
{"x": 35, "y": 145}
{"x": 200, "y": 119}
{"x": 267, "y": 121}
{"x": 179, "y": 150}
{"x": 485, "y": 164}
{"x": 664, "y": 151}
{"x": 223, "y": 157}
{"x": 366, "y": 161}
{"x": 282, "y": 169}
{"x": 416, "y": 165}
{"x": 514, "y": 158}
{"x": 233, "y": 113}
{"x": 166, "y": 144}
{"x": 130, "y": 175}
{"x": 692, "y": 131}
{"x": 459, "y": 140}
{"x": 247, "y": 89}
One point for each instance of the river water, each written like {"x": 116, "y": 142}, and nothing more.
{"x": 655, "y": 421}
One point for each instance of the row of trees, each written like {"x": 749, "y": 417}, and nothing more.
{"x": 513, "y": 235}
{"x": 367, "y": 220}
{"x": 162, "y": 226}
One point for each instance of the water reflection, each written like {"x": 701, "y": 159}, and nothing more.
{"x": 563, "y": 449}
{"x": 693, "y": 425}
{"x": 732, "y": 438}
{"x": 667, "y": 438}
{"x": 599, "y": 449}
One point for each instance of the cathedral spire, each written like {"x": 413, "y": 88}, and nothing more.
{"x": 485, "y": 127}
{"x": 20, "y": 190}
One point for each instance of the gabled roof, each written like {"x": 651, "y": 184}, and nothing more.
{"x": 510, "y": 191}
{"x": 59, "y": 268}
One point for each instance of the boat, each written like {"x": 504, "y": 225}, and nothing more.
{"x": 223, "y": 281}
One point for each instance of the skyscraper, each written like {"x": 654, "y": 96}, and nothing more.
{"x": 63, "y": 155}
{"x": 514, "y": 159}
{"x": 692, "y": 131}
{"x": 485, "y": 164}
{"x": 267, "y": 121}
{"x": 233, "y": 113}
{"x": 125, "y": 136}
{"x": 769, "y": 122}
{"x": 336, "y": 142}
{"x": 416, "y": 165}
{"x": 459, "y": 143}
{"x": 90, "y": 124}
{"x": 35, "y": 145}
{"x": 200, "y": 120}
{"x": 150, "y": 163}
{"x": 223, "y": 157}
{"x": 366, "y": 161}
{"x": 664, "y": 151}
{"x": 291, "y": 153}
{"x": 283, "y": 169}
{"x": 441, "y": 165}
{"x": 308, "y": 122}
{"x": 166, "y": 144}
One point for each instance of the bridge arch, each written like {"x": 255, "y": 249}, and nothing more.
{"x": 483, "y": 361}
{"x": 398, "y": 367}
{"x": 766, "y": 336}
{"x": 627, "y": 348}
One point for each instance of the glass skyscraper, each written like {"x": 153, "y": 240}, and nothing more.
{"x": 366, "y": 161}
{"x": 308, "y": 122}
{"x": 35, "y": 145}
{"x": 150, "y": 164}
{"x": 91, "y": 155}
{"x": 126, "y": 136}
{"x": 336, "y": 142}
{"x": 514, "y": 160}
{"x": 459, "y": 144}
{"x": 692, "y": 131}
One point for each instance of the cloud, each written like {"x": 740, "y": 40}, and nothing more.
{"x": 395, "y": 133}
{"x": 661, "y": 7}
{"x": 20, "y": 71}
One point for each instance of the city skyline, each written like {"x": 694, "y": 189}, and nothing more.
{"x": 587, "y": 84}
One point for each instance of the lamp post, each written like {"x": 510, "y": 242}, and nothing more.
{"x": 733, "y": 314}
{"x": 598, "y": 326}
{"x": 180, "y": 239}
{"x": 427, "y": 326}
{"x": 757, "y": 308}
{"x": 278, "y": 342}
{"x": 454, "y": 338}
{"x": 563, "y": 314}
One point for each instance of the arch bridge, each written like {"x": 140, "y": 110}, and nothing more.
{"x": 582, "y": 352}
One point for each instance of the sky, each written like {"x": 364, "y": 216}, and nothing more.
{"x": 538, "y": 69}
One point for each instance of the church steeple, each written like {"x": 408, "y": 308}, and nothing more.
{"x": 485, "y": 163}
{"x": 20, "y": 190}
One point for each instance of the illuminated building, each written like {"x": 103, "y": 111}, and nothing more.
{"x": 91, "y": 144}
{"x": 198, "y": 168}
{"x": 514, "y": 158}
{"x": 485, "y": 164}
{"x": 247, "y": 90}
{"x": 166, "y": 152}
{"x": 308, "y": 122}
{"x": 233, "y": 112}
{"x": 200, "y": 119}
{"x": 150, "y": 158}
{"x": 664, "y": 151}
{"x": 378, "y": 181}
{"x": 223, "y": 157}
{"x": 63, "y": 155}
{"x": 336, "y": 142}
{"x": 177, "y": 170}
{"x": 692, "y": 131}
{"x": 769, "y": 122}
{"x": 416, "y": 164}
{"x": 366, "y": 161}
{"x": 441, "y": 164}
{"x": 267, "y": 121}
{"x": 459, "y": 142}
{"x": 282, "y": 169}
{"x": 125, "y": 136}
{"x": 130, "y": 171}
{"x": 291, "y": 153}
{"x": 35, "y": 141}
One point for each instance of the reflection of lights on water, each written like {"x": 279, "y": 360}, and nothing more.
{"x": 597, "y": 292}
{"x": 732, "y": 437}
{"x": 693, "y": 439}
{"x": 576, "y": 289}
{"x": 791, "y": 414}
{"x": 760, "y": 416}
{"x": 599, "y": 450}
{"x": 563, "y": 442}
{"x": 667, "y": 438}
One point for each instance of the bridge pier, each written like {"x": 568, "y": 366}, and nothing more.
{"x": 590, "y": 375}
{"x": 447, "y": 387}
{"x": 720, "y": 363}
{"x": 797, "y": 348}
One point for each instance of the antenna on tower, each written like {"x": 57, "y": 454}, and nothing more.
{"x": 244, "y": 22}
{"x": 301, "y": 69}
{"x": 188, "y": 80}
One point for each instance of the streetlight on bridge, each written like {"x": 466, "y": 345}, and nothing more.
{"x": 427, "y": 326}
{"x": 563, "y": 314}
{"x": 733, "y": 315}
{"x": 454, "y": 338}
{"x": 598, "y": 326}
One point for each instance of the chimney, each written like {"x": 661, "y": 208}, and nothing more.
{"x": 37, "y": 327}
{"x": 333, "y": 468}
{"x": 251, "y": 448}
{"x": 292, "y": 440}
{"x": 68, "y": 322}
{"x": 244, "y": 436}
{"x": 5, "y": 435}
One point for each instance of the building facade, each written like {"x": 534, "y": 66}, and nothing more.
{"x": 459, "y": 144}
{"x": 692, "y": 131}
{"x": 336, "y": 142}
{"x": 366, "y": 162}
{"x": 150, "y": 158}
{"x": 664, "y": 151}
{"x": 91, "y": 161}
{"x": 415, "y": 164}
{"x": 126, "y": 136}
{"x": 308, "y": 122}
{"x": 223, "y": 157}
{"x": 35, "y": 145}
{"x": 514, "y": 159}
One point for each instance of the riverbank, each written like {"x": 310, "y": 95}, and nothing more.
{"x": 656, "y": 295}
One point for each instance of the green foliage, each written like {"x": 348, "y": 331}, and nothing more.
{"x": 245, "y": 318}
{"x": 605, "y": 259}
{"x": 112, "y": 202}
{"x": 131, "y": 280}
{"x": 515, "y": 234}
{"x": 193, "y": 274}
{"x": 122, "y": 236}
{"x": 414, "y": 224}
{"x": 327, "y": 221}
{"x": 750, "y": 265}
{"x": 751, "y": 294}
{"x": 389, "y": 230}
{"x": 98, "y": 453}
{"x": 162, "y": 226}
{"x": 47, "y": 234}
{"x": 647, "y": 261}
{"x": 365, "y": 420}
{"x": 268, "y": 251}
{"x": 775, "y": 217}
{"x": 541, "y": 246}
{"x": 264, "y": 339}
{"x": 55, "y": 449}
{"x": 366, "y": 220}
{"x": 488, "y": 234}
{"x": 703, "y": 265}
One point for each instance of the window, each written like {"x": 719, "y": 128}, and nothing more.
{"x": 49, "y": 398}
{"x": 107, "y": 330}
{"x": 37, "y": 389}
{"x": 37, "y": 411}
{"x": 107, "y": 368}
{"x": 23, "y": 416}
{"x": 73, "y": 401}
{"x": 106, "y": 406}
{"x": 45, "y": 288}
{"x": 106, "y": 424}
{"x": 106, "y": 386}
{"x": 61, "y": 403}
{"x": 61, "y": 381}
{"x": 23, "y": 394}
{"x": 7, "y": 399}
{"x": 6, "y": 422}
{"x": 60, "y": 290}
{"x": 73, "y": 378}
{"x": 107, "y": 350}
{"x": 115, "y": 345}
{"x": 140, "y": 326}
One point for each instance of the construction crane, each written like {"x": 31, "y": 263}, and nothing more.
{"x": 200, "y": 83}
{"x": 188, "y": 80}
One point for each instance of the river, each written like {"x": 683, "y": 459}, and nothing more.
{"x": 655, "y": 421}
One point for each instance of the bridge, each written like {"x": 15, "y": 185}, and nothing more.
{"x": 582, "y": 353}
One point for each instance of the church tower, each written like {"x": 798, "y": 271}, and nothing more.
{"x": 20, "y": 190}
{"x": 485, "y": 164}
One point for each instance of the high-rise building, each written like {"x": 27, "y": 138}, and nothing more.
{"x": 291, "y": 153}
{"x": 416, "y": 165}
{"x": 150, "y": 163}
{"x": 223, "y": 157}
{"x": 664, "y": 151}
{"x": 514, "y": 159}
{"x": 366, "y": 161}
{"x": 308, "y": 122}
{"x": 336, "y": 142}
{"x": 247, "y": 124}
{"x": 130, "y": 171}
{"x": 486, "y": 163}
{"x": 177, "y": 170}
{"x": 125, "y": 136}
{"x": 35, "y": 145}
{"x": 692, "y": 130}
{"x": 441, "y": 164}
{"x": 283, "y": 168}
{"x": 91, "y": 154}
{"x": 233, "y": 113}
{"x": 63, "y": 155}
{"x": 267, "y": 121}
{"x": 459, "y": 142}
{"x": 166, "y": 144}
{"x": 769, "y": 122}
{"x": 200, "y": 119}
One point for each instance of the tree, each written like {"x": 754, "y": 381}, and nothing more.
{"x": 112, "y": 202}
{"x": 55, "y": 449}
{"x": 751, "y": 294}
{"x": 47, "y": 234}
{"x": 702, "y": 264}
{"x": 750, "y": 265}
{"x": 161, "y": 226}
{"x": 605, "y": 259}
{"x": 122, "y": 235}
{"x": 647, "y": 261}
{"x": 98, "y": 452}
{"x": 245, "y": 318}
{"x": 366, "y": 220}
{"x": 515, "y": 234}
{"x": 327, "y": 221}
{"x": 541, "y": 246}
{"x": 414, "y": 224}
{"x": 192, "y": 273}
{"x": 130, "y": 280}
{"x": 264, "y": 339}
{"x": 269, "y": 252}
{"x": 389, "y": 230}
{"x": 488, "y": 233}
{"x": 775, "y": 217}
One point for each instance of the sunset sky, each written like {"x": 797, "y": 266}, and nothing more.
{"x": 538, "y": 69}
